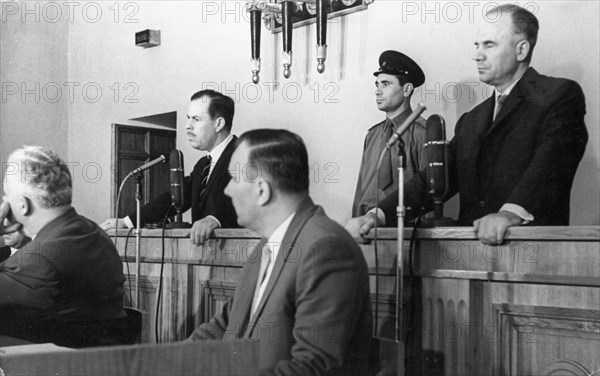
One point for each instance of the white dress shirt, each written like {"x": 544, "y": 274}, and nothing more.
{"x": 273, "y": 244}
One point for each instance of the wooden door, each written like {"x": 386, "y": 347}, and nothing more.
{"x": 132, "y": 147}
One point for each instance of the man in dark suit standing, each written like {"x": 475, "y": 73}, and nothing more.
{"x": 513, "y": 157}
{"x": 210, "y": 118}
{"x": 304, "y": 291}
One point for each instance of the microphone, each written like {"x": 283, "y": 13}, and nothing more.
{"x": 436, "y": 169}
{"x": 176, "y": 183}
{"x": 435, "y": 148}
{"x": 176, "y": 177}
{"x": 148, "y": 165}
{"x": 407, "y": 123}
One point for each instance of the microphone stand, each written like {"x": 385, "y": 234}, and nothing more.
{"x": 438, "y": 219}
{"x": 400, "y": 211}
{"x": 138, "y": 232}
{"x": 139, "y": 172}
{"x": 179, "y": 223}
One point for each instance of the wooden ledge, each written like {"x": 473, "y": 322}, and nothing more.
{"x": 220, "y": 233}
{"x": 555, "y": 233}
{"x": 568, "y": 233}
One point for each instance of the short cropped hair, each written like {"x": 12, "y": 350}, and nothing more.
{"x": 44, "y": 176}
{"x": 524, "y": 23}
{"x": 282, "y": 154}
{"x": 402, "y": 80}
{"x": 219, "y": 106}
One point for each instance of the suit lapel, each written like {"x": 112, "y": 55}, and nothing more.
{"x": 306, "y": 210}
{"x": 485, "y": 116}
{"x": 221, "y": 167}
{"x": 475, "y": 137}
{"x": 510, "y": 104}
{"x": 242, "y": 302}
{"x": 484, "y": 126}
{"x": 514, "y": 100}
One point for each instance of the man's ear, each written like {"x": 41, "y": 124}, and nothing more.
{"x": 220, "y": 124}
{"x": 24, "y": 206}
{"x": 523, "y": 48}
{"x": 264, "y": 192}
{"x": 408, "y": 89}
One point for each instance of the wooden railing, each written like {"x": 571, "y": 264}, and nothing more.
{"x": 529, "y": 306}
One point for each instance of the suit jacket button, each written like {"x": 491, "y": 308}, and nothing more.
{"x": 481, "y": 204}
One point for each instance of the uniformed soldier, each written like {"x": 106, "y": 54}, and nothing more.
{"x": 397, "y": 78}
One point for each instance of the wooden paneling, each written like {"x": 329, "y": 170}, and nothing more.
{"x": 537, "y": 340}
{"x": 161, "y": 142}
{"x": 196, "y": 280}
{"x": 525, "y": 328}
{"x": 446, "y": 321}
{"x": 127, "y": 164}
{"x": 528, "y": 307}
{"x": 214, "y": 296}
{"x": 131, "y": 140}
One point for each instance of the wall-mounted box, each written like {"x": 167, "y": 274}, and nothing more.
{"x": 147, "y": 38}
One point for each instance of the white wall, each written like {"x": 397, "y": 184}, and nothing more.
{"x": 33, "y": 68}
{"x": 207, "y": 44}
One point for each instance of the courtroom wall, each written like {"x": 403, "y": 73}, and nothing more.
{"x": 33, "y": 74}
{"x": 206, "y": 44}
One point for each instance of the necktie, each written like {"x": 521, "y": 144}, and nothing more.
{"x": 205, "y": 172}
{"x": 499, "y": 102}
{"x": 265, "y": 259}
{"x": 385, "y": 175}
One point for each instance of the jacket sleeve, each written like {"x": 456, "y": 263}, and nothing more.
{"x": 215, "y": 328}
{"x": 415, "y": 198}
{"x": 29, "y": 280}
{"x": 356, "y": 210}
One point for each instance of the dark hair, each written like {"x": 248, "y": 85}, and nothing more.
{"x": 219, "y": 106}
{"x": 402, "y": 79}
{"x": 524, "y": 22}
{"x": 282, "y": 155}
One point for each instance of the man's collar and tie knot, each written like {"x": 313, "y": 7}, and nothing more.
{"x": 499, "y": 101}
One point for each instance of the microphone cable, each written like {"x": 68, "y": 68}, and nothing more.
{"x": 160, "y": 278}
{"x": 127, "y": 264}
{"x": 412, "y": 278}
{"x": 416, "y": 292}
{"x": 118, "y": 201}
